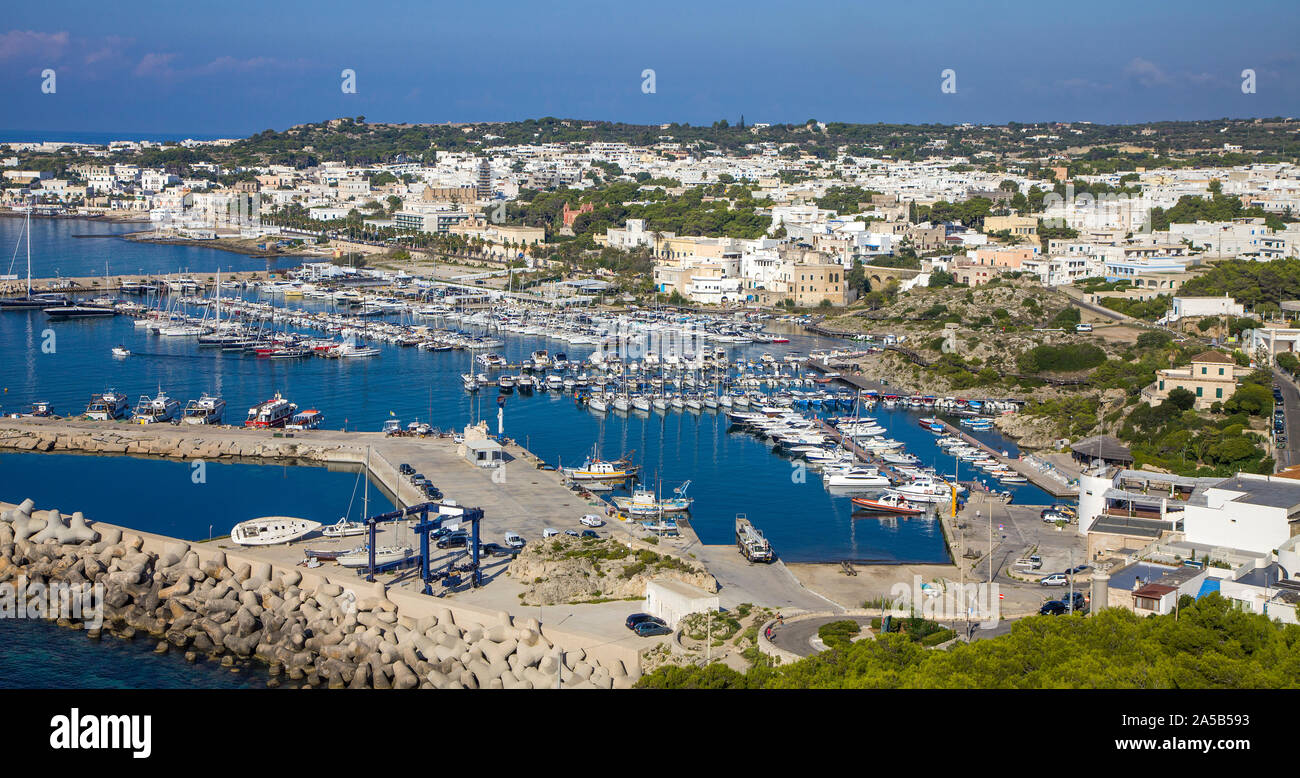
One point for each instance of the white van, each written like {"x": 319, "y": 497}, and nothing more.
{"x": 1083, "y": 328}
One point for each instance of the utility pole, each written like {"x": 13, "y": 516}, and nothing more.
{"x": 990, "y": 507}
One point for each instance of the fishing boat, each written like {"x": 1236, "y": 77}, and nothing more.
{"x": 108, "y": 406}
{"x": 596, "y": 469}
{"x": 272, "y": 530}
{"x": 40, "y": 409}
{"x": 274, "y": 412}
{"x": 889, "y": 503}
{"x": 154, "y": 410}
{"x": 121, "y": 351}
{"x": 205, "y": 410}
{"x": 644, "y": 503}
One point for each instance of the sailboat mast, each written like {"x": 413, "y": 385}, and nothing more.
{"x": 365, "y": 500}
{"x": 29, "y": 252}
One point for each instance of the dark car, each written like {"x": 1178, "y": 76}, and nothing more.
{"x": 648, "y": 629}
{"x": 440, "y": 532}
{"x": 1080, "y": 602}
{"x": 1054, "y": 608}
{"x": 454, "y": 540}
{"x": 432, "y": 492}
{"x": 405, "y": 469}
{"x": 496, "y": 549}
{"x": 641, "y": 618}
{"x": 1078, "y": 569}
{"x": 589, "y": 533}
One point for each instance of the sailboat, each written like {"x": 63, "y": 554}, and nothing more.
{"x": 31, "y": 301}
{"x": 343, "y": 528}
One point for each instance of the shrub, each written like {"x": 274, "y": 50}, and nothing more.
{"x": 1065, "y": 358}
{"x": 837, "y": 634}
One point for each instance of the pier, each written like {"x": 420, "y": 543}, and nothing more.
{"x": 1038, "y": 478}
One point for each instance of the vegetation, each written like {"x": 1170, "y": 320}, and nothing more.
{"x": 838, "y": 634}
{"x": 1210, "y": 645}
{"x": 1250, "y": 283}
{"x": 1149, "y": 310}
{"x": 1065, "y": 358}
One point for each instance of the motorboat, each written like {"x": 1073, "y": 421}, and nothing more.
{"x": 344, "y": 529}
{"x": 108, "y": 406}
{"x": 274, "y": 412}
{"x": 272, "y": 530}
{"x": 121, "y": 351}
{"x": 205, "y": 410}
{"x": 889, "y": 503}
{"x": 856, "y": 476}
{"x": 79, "y": 312}
{"x": 157, "y": 409}
{"x": 331, "y": 554}
{"x": 309, "y": 419}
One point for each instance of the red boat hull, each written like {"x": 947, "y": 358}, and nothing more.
{"x": 872, "y": 505}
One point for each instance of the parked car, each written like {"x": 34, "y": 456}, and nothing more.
{"x": 496, "y": 549}
{"x": 1055, "y": 579}
{"x": 1054, "y": 608}
{"x": 405, "y": 469}
{"x": 550, "y": 532}
{"x": 515, "y": 541}
{"x": 454, "y": 540}
{"x": 1080, "y": 602}
{"x": 572, "y": 532}
{"x": 1078, "y": 569}
{"x": 1061, "y": 507}
{"x": 440, "y": 532}
{"x": 1033, "y": 562}
{"x": 592, "y": 520}
{"x": 1050, "y": 515}
{"x": 1083, "y": 328}
{"x": 586, "y": 533}
{"x": 640, "y": 618}
{"x": 648, "y": 629}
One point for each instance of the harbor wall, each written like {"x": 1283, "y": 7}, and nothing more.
{"x": 311, "y": 626}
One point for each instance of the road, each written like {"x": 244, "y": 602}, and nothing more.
{"x": 1289, "y": 454}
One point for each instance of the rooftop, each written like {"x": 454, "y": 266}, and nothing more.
{"x": 1265, "y": 491}
{"x": 1214, "y": 356}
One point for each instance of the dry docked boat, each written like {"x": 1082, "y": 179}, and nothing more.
{"x": 156, "y": 409}
{"x": 205, "y": 410}
{"x": 596, "y": 469}
{"x": 643, "y": 502}
{"x": 271, "y": 530}
{"x": 107, "y": 406}
{"x": 383, "y": 556}
{"x": 344, "y": 529}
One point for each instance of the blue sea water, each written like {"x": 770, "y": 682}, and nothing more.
{"x": 730, "y": 472}
{"x": 41, "y": 655}
{"x": 56, "y": 253}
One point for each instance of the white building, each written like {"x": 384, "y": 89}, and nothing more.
{"x": 673, "y": 600}
{"x": 1256, "y": 513}
{"x": 1205, "y": 306}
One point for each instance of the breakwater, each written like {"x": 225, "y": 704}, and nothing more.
{"x": 306, "y": 627}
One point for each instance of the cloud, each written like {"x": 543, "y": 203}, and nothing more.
{"x": 1146, "y": 72}
{"x": 155, "y": 64}
{"x": 27, "y": 44}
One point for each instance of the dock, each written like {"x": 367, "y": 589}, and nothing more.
{"x": 1036, "y": 477}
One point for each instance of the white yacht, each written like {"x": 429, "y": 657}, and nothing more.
{"x": 383, "y": 555}
{"x": 108, "y": 406}
{"x": 271, "y": 530}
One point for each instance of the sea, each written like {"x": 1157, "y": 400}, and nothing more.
{"x": 730, "y": 472}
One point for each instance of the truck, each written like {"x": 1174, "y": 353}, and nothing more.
{"x": 749, "y": 539}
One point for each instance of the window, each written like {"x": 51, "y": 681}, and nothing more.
{"x": 1218, "y": 393}
{"x": 1220, "y": 371}
{"x": 1198, "y": 391}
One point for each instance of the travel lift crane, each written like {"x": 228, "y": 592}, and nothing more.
{"x": 426, "y": 525}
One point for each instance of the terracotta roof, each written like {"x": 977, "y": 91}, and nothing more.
{"x": 1214, "y": 356}
{"x": 1154, "y": 591}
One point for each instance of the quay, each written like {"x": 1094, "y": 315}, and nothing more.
{"x": 1036, "y": 477}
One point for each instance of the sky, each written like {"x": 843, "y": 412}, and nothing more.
{"x": 234, "y": 68}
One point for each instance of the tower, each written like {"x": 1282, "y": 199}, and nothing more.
{"x": 483, "y": 190}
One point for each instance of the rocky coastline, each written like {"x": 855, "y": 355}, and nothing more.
{"x": 306, "y": 630}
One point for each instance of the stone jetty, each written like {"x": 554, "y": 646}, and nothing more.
{"x": 308, "y": 630}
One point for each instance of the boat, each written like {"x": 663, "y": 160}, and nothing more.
{"x": 205, "y": 410}
{"x": 79, "y": 312}
{"x": 383, "y": 555}
{"x": 309, "y": 419}
{"x": 889, "y": 503}
{"x": 154, "y": 410}
{"x": 332, "y": 554}
{"x": 856, "y": 476}
{"x": 344, "y": 529}
{"x": 274, "y": 412}
{"x": 108, "y": 406}
{"x": 272, "y": 530}
{"x": 644, "y": 503}
{"x": 596, "y": 469}
{"x": 40, "y": 409}
{"x": 121, "y": 351}
{"x": 31, "y": 301}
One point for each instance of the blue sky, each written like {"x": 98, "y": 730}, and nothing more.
{"x": 237, "y": 67}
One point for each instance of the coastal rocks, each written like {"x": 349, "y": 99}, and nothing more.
{"x": 205, "y": 604}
